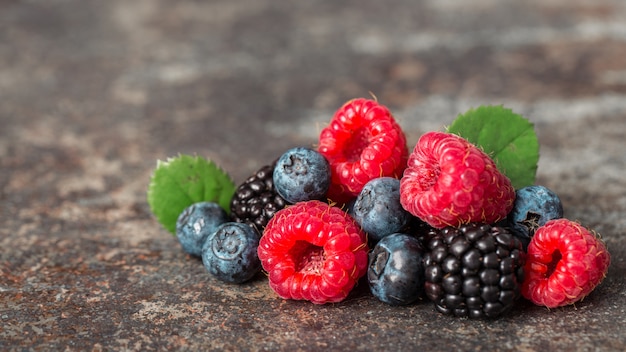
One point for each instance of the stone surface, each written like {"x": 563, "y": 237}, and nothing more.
{"x": 92, "y": 93}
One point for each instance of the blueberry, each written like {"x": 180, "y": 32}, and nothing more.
{"x": 196, "y": 223}
{"x": 301, "y": 174}
{"x": 230, "y": 253}
{"x": 396, "y": 273}
{"x": 534, "y": 206}
{"x": 378, "y": 210}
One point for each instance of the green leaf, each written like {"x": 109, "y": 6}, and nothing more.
{"x": 507, "y": 137}
{"x": 184, "y": 180}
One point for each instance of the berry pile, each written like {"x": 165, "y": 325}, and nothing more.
{"x": 456, "y": 221}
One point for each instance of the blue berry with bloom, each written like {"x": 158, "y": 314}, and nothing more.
{"x": 378, "y": 210}
{"x": 301, "y": 174}
{"x": 534, "y": 206}
{"x": 196, "y": 223}
{"x": 230, "y": 253}
{"x": 396, "y": 272}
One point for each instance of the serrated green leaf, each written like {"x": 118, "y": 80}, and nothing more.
{"x": 507, "y": 137}
{"x": 184, "y": 180}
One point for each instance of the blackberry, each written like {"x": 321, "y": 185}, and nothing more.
{"x": 474, "y": 271}
{"x": 256, "y": 201}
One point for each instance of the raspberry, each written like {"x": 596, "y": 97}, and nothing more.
{"x": 313, "y": 251}
{"x": 363, "y": 141}
{"x": 256, "y": 200}
{"x": 449, "y": 181}
{"x": 474, "y": 271}
{"x": 565, "y": 263}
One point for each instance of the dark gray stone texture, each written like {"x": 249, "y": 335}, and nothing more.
{"x": 92, "y": 93}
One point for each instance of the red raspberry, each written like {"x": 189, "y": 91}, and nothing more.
{"x": 313, "y": 251}
{"x": 565, "y": 262}
{"x": 362, "y": 142}
{"x": 449, "y": 182}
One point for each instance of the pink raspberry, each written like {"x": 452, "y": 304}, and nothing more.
{"x": 363, "y": 141}
{"x": 565, "y": 262}
{"x": 449, "y": 181}
{"x": 313, "y": 251}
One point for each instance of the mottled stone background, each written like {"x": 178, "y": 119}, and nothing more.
{"x": 92, "y": 93}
